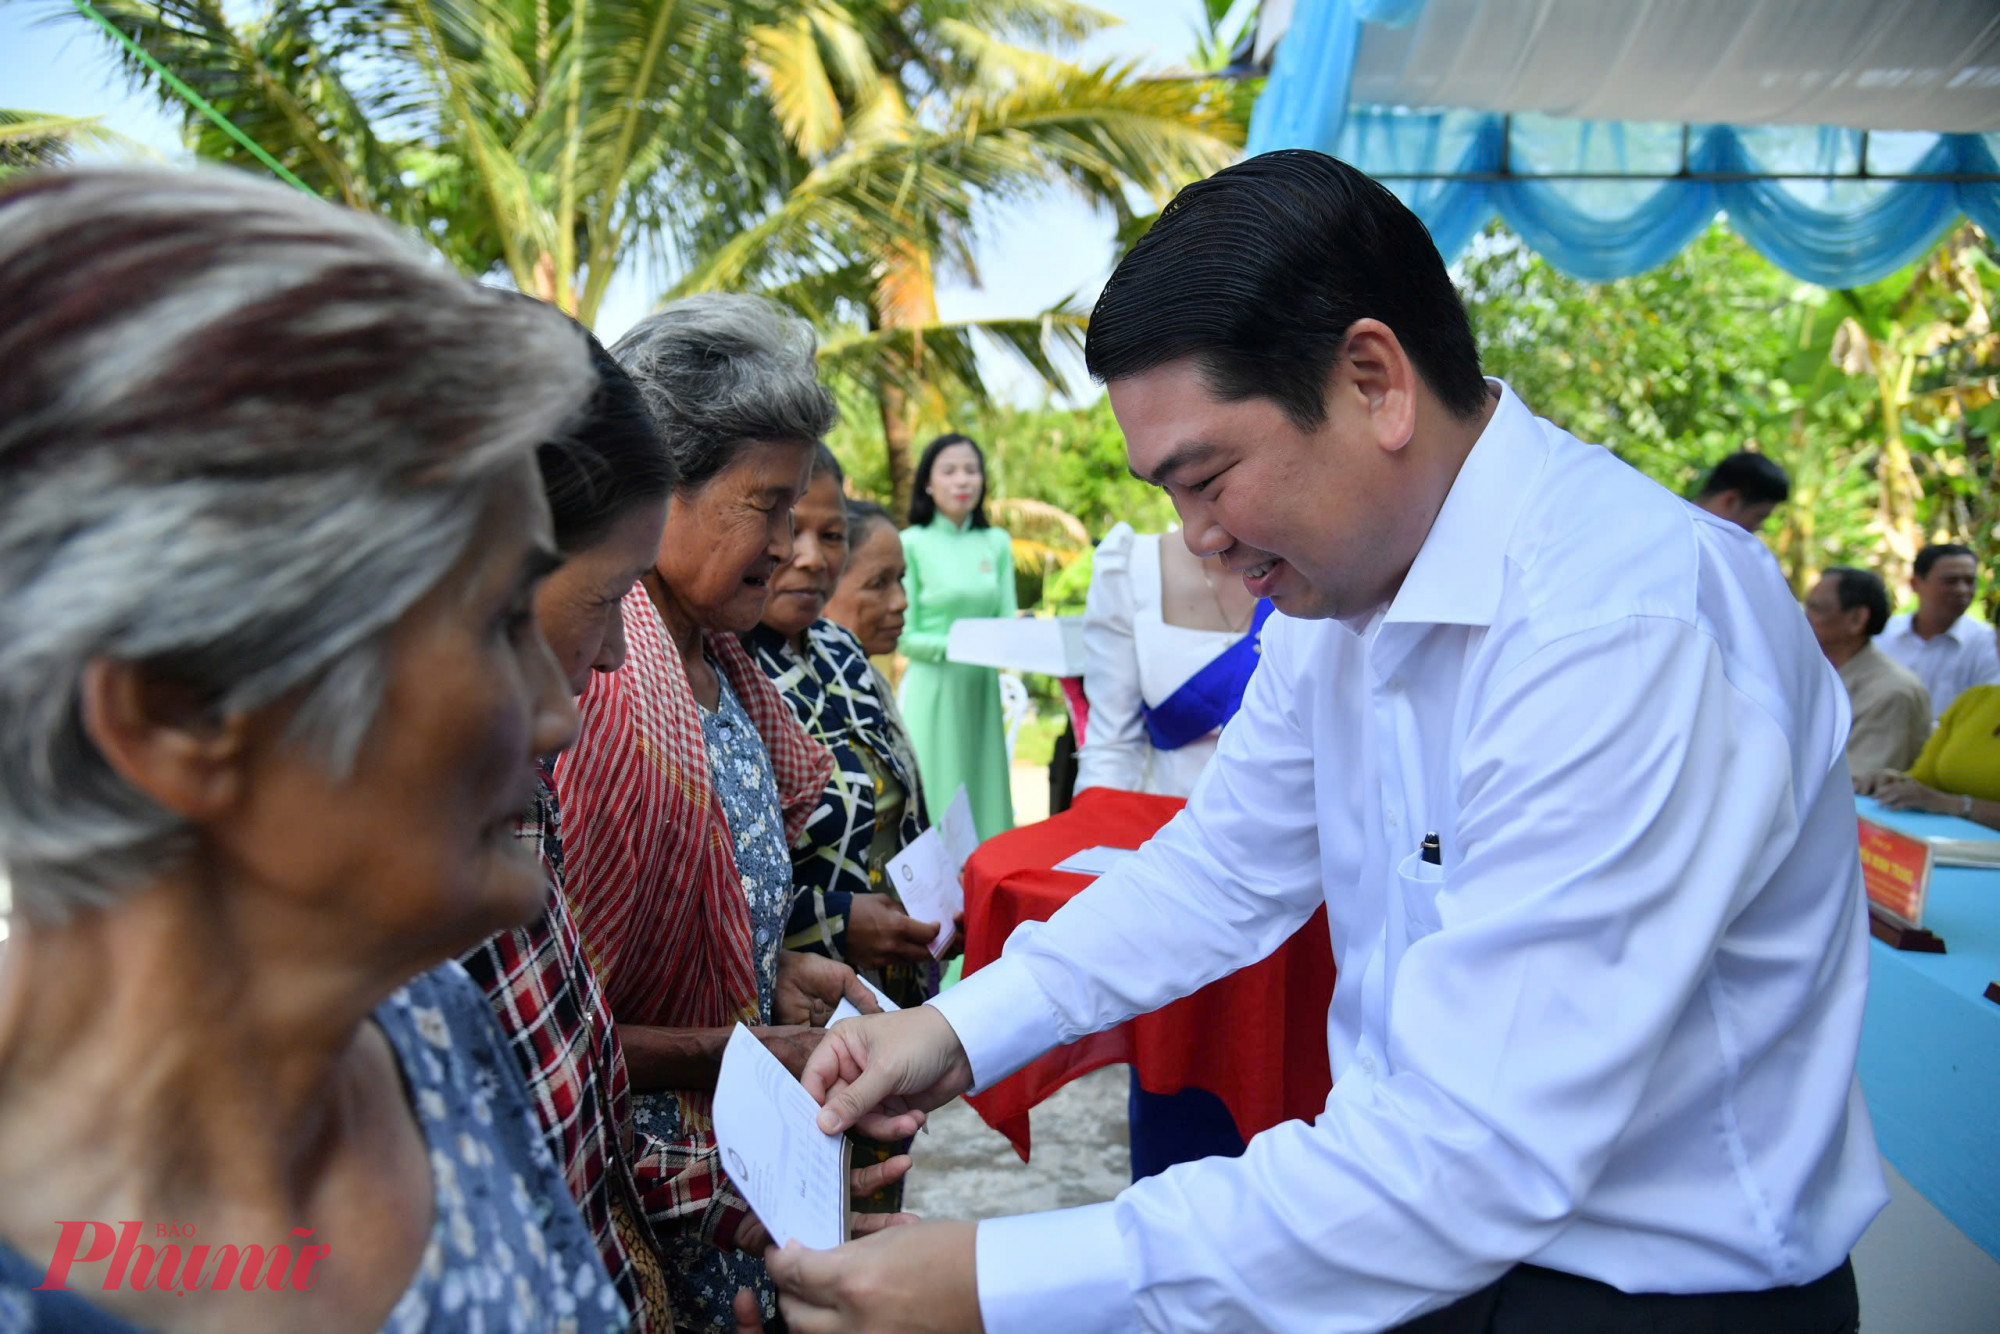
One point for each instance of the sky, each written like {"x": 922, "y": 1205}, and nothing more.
{"x": 1030, "y": 255}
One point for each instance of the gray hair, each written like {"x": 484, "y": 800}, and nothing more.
{"x": 241, "y": 433}
{"x": 720, "y": 370}
{"x": 863, "y": 517}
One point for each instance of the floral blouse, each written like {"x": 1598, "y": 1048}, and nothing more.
{"x": 507, "y": 1253}
{"x": 702, "y": 1278}
{"x": 873, "y": 805}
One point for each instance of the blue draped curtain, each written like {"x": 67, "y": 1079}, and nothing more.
{"x": 1801, "y": 195}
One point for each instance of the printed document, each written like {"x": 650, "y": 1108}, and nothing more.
{"x": 766, "y": 1125}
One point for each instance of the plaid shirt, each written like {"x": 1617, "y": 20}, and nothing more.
{"x": 547, "y": 997}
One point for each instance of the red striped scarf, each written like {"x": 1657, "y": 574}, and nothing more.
{"x": 650, "y": 868}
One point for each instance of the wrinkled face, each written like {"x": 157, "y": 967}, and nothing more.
{"x": 957, "y": 481}
{"x": 1322, "y": 522}
{"x": 800, "y": 590}
{"x": 577, "y": 607}
{"x": 870, "y": 600}
{"x": 1834, "y": 628}
{"x": 725, "y": 540}
{"x": 1947, "y": 591}
{"x": 415, "y": 850}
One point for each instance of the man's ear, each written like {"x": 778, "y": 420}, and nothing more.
{"x": 161, "y": 738}
{"x": 1381, "y": 374}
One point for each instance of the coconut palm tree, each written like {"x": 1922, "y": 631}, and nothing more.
{"x": 32, "y": 139}
{"x": 932, "y": 110}
{"x": 830, "y": 153}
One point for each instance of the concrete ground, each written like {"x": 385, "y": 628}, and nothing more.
{"x": 1080, "y": 1152}
{"x": 1031, "y": 793}
{"x": 1080, "y": 1155}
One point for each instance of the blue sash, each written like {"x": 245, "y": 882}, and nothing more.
{"x": 1210, "y": 697}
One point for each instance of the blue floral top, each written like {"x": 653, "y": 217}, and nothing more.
{"x": 702, "y": 1278}
{"x": 508, "y": 1253}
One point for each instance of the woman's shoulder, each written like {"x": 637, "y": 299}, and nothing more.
{"x": 1972, "y": 702}
{"x": 836, "y": 642}
{"x": 449, "y": 992}
{"x": 1115, "y": 551}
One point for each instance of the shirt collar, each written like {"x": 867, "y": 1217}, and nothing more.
{"x": 1456, "y": 577}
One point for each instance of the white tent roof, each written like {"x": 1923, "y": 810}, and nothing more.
{"x": 1866, "y": 64}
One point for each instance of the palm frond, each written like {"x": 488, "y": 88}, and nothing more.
{"x": 33, "y": 139}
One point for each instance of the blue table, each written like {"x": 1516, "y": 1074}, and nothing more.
{"x": 1930, "y": 1045}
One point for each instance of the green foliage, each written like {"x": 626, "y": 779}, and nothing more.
{"x": 1069, "y": 458}
{"x": 30, "y": 140}
{"x": 1714, "y": 351}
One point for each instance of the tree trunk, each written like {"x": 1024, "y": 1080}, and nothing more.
{"x": 1896, "y": 477}
{"x": 897, "y": 437}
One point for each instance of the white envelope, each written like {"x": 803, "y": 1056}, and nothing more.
{"x": 1094, "y": 861}
{"x": 926, "y": 880}
{"x": 767, "y": 1127}
{"x": 846, "y": 1010}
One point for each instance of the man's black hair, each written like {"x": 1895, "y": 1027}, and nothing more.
{"x": 1862, "y": 588}
{"x": 1754, "y": 477}
{"x": 1258, "y": 273}
{"x": 1936, "y": 552}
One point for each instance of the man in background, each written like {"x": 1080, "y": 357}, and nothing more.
{"x": 1949, "y": 650}
{"x": 1892, "y": 711}
{"x": 1744, "y": 488}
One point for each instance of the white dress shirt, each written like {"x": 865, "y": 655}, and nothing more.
{"x": 1133, "y": 659}
{"x": 1949, "y": 664}
{"x": 1613, "y": 1034}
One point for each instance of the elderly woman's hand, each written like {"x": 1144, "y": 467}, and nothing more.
{"x": 792, "y": 1044}
{"x": 861, "y": 1183}
{"x": 879, "y": 932}
{"x": 811, "y": 986}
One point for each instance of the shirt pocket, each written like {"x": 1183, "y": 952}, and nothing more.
{"x": 1417, "y": 886}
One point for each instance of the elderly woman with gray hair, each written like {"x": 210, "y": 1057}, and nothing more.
{"x": 271, "y": 693}
{"x": 691, "y": 777}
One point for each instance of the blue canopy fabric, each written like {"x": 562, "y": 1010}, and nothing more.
{"x": 1805, "y": 196}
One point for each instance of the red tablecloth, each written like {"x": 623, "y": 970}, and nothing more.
{"x": 1256, "y": 1039}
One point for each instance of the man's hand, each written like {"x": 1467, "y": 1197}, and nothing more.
{"x": 862, "y": 1181}
{"x": 881, "y": 1073}
{"x": 879, "y": 932}
{"x": 810, "y": 988}
{"x": 906, "y": 1280}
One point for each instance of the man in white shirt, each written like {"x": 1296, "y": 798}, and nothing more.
{"x": 1594, "y": 1057}
{"x": 1950, "y": 651}
{"x": 1744, "y": 488}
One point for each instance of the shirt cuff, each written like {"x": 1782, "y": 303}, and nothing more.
{"x": 1060, "y": 1270}
{"x": 1002, "y": 1019}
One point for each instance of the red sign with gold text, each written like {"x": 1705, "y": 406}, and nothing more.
{"x": 1896, "y": 868}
